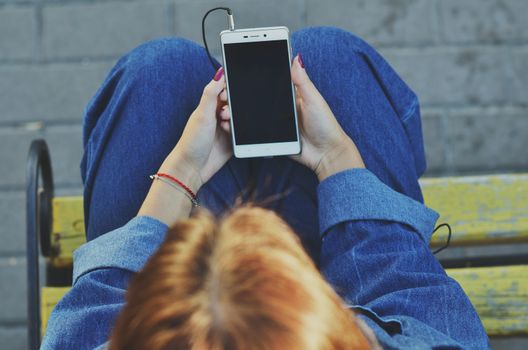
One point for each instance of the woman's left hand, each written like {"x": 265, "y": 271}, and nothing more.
{"x": 205, "y": 145}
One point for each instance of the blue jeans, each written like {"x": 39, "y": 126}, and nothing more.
{"x": 375, "y": 253}
{"x": 138, "y": 114}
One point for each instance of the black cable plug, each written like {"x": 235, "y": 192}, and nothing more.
{"x": 231, "y": 24}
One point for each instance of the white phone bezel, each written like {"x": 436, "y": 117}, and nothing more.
{"x": 257, "y": 35}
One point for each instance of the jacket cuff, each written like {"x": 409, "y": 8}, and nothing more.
{"x": 128, "y": 247}
{"x": 357, "y": 194}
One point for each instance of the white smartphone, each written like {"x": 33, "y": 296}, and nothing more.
{"x": 261, "y": 95}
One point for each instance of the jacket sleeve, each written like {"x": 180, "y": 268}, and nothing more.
{"x": 102, "y": 268}
{"x": 375, "y": 252}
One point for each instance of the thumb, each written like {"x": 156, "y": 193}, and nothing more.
{"x": 302, "y": 82}
{"x": 209, "y": 99}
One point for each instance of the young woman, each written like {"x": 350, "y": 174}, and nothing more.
{"x": 238, "y": 279}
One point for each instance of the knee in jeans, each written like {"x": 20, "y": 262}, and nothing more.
{"x": 327, "y": 36}
{"x": 163, "y": 58}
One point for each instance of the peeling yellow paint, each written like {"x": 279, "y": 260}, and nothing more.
{"x": 67, "y": 232}
{"x": 499, "y": 294}
{"x": 480, "y": 209}
{"x": 49, "y": 297}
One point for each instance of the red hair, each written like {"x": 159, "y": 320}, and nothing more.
{"x": 242, "y": 283}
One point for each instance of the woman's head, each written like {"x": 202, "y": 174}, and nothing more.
{"x": 241, "y": 283}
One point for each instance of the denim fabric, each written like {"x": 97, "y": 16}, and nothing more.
{"x": 370, "y": 201}
{"x": 120, "y": 250}
{"x": 375, "y": 253}
{"x": 138, "y": 115}
{"x": 375, "y": 227}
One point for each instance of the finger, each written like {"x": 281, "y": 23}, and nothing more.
{"x": 226, "y": 126}
{"x": 223, "y": 95}
{"x": 209, "y": 99}
{"x": 298, "y": 99}
{"x": 224, "y": 113}
{"x": 305, "y": 88}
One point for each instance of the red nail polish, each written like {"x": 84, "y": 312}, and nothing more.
{"x": 219, "y": 74}
{"x": 299, "y": 57}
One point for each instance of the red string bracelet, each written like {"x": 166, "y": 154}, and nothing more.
{"x": 176, "y": 186}
{"x": 181, "y": 184}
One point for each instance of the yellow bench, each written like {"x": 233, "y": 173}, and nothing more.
{"x": 482, "y": 210}
{"x": 487, "y": 210}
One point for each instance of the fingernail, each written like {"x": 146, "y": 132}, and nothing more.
{"x": 219, "y": 74}
{"x": 299, "y": 57}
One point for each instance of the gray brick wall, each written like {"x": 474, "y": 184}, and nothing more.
{"x": 17, "y": 25}
{"x": 48, "y": 92}
{"x": 466, "y": 59}
{"x": 101, "y": 29}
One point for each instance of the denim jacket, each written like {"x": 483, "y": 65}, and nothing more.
{"x": 374, "y": 253}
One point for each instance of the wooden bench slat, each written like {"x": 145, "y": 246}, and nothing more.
{"x": 500, "y": 295}
{"x": 67, "y": 232}
{"x": 49, "y": 297}
{"x": 480, "y": 209}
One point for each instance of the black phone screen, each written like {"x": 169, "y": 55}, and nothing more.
{"x": 260, "y": 92}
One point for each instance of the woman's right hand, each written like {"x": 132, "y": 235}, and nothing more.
{"x": 326, "y": 148}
